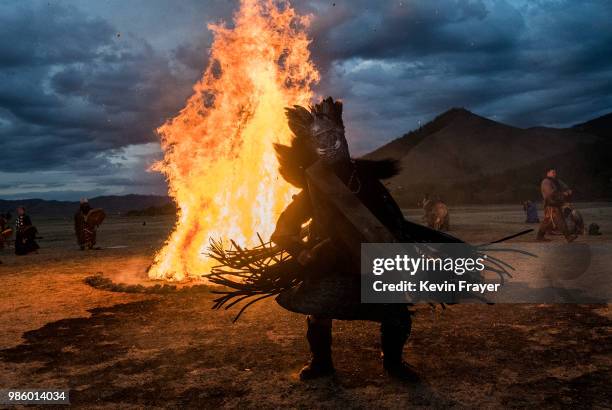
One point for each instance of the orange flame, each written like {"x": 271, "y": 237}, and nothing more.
{"x": 218, "y": 155}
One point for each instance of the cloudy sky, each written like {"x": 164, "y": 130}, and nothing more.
{"x": 83, "y": 84}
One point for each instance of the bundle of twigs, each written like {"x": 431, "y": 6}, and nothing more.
{"x": 256, "y": 273}
{"x": 266, "y": 270}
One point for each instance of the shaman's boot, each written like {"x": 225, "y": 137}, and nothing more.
{"x": 319, "y": 336}
{"x": 393, "y": 337}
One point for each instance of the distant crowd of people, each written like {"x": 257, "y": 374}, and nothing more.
{"x": 86, "y": 222}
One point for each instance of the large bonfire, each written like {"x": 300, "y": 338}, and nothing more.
{"x": 218, "y": 154}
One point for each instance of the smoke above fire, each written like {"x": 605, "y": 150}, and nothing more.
{"x": 219, "y": 159}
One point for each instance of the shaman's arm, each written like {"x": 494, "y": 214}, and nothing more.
{"x": 289, "y": 224}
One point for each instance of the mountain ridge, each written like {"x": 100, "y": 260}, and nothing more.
{"x": 601, "y": 126}
{"x": 466, "y": 158}
{"x": 112, "y": 204}
{"x": 459, "y": 156}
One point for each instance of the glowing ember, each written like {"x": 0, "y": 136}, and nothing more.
{"x": 218, "y": 154}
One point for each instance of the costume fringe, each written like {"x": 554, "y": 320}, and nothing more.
{"x": 257, "y": 273}
{"x": 266, "y": 270}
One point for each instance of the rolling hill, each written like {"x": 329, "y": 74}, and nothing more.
{"x": 465, "y": 158}
{"x": 111, "y": 204}
{"x": 459, "y": 156}
{"x": 601, "y": 126}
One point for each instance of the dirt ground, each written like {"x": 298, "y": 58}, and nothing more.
{"x": 122, "y": 350}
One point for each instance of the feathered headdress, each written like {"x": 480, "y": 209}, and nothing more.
{"x": 295, "y": 158}
{"x": 300, "y": 154}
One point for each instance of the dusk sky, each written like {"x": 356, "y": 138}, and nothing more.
{"x": 84, "y": 84}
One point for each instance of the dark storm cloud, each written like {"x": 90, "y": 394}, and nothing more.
{"x": 83, "y": 88}
{"x": 397, "y": 64}
{"x": 193, "y": 55}
{"x": 72, "y": 86}
{"x": 55, "y": 35}
{"x": 400, "y": 29}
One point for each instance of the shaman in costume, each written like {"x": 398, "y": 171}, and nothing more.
{"x": 555, "y": 194}
{"x": 25, "y": 233}
{"x": 85, "y": 225}
{"x": 312, "y": 262}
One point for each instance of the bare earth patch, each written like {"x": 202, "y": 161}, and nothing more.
{"x": 117, "y": 350}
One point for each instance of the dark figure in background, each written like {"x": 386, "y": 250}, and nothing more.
{"x": 436, "y": 213}
{"x": 85, "y": 234}
{"x": 594, "y": 229}
{"x": 4, "y": 220}
{"x": 573, "y": 219}
{"x": 5, "y": 231}
{"x": 25, "y": 237}
{"x": 531, "y": 212}
{"x": 331, "y": 290}
{"x": 555, "y": 194}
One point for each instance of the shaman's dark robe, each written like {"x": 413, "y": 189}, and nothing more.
{"x": 331, "y": 289}
{"x": 326, "y": 219}
{"x": 25, "y": 238}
